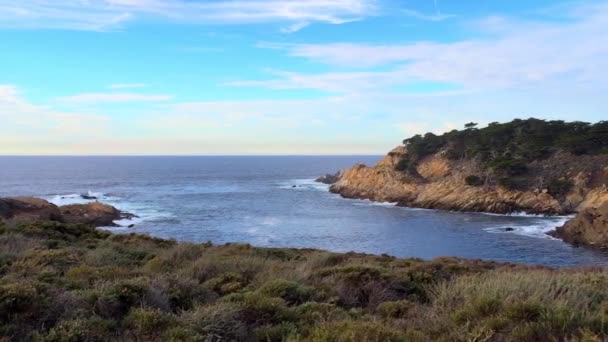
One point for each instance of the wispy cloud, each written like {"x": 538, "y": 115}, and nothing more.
{"x": 428, "y": 17}
{"x": 515, "y": 55}
{"x": 295, "y": 27}
{"x": 109, "y": 14}
{"x": 27, "y": 123}
{"x": 114, "y": 97}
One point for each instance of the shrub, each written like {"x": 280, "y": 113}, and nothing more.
{"x": 115, "y": 300}
{"x": 356, "y": 331}
{"x": 403, "y": 165}
{"x": 220, "y": 321}
{"x": 226, "y": 283}
{"x": 559, "y": 187}
{"x": 290, "y": 291}
{"x": 81, "y": 329}
{"x": 147, "y": 323}
{"x": 473, "y": 180}
{"x": 255, "y": 308}
{"x": 395, "y": 309}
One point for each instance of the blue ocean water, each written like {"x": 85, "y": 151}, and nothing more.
{"x": 272, "y": 201}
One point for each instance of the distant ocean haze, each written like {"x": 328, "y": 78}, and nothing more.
{"x": 273, "y": 201}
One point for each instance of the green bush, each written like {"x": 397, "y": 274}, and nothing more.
{"x": 81, "y": 329}
{"x": 395, "y": 309}
{"x": 473, "y": 180}
{"x": 559, "y": 187}
{"x": 290, "y": 291}
{"x": 63, "y": 285}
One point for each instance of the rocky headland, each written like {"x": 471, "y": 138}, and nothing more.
{"x": 531, "y": 166}
{"x": 24, "y": 210}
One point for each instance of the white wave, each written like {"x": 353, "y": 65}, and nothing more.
{"x": 89, "y": 197}
{"x": 366, "y": 202}
{"x": 520, "y": 214}
{"x": 538, "y": 228}
{"x": 142, "y": 212}
{"x": 303, "y": 184}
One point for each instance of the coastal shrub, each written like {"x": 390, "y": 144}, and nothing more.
{"x": 290, "y": 291}
{"x": 473, "y": 180}
{"x": 220, "y": 321}
{"x": 559, "y": 187}
{"x": 506, "y": 149}
{"x": 354, "y": 331}
{"x": 148, "y": 324}
{"x": 116, "y": 299}
{"x": 255, "y": 308}
{"x": 395, "y": 309}
{"x": 88, "y": 286}
{"x": 404, "y": 164}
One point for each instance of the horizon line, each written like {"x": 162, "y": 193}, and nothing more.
{"x": 189, "y": 155}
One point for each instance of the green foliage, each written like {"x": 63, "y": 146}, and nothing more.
{"x": 559, "y": 187}
{"x": 507, "y": 148}
{"x": 473, "y": 180}
{"x": 92, "y": 286}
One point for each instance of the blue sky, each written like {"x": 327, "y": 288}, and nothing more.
{"x": 288, "y": 77}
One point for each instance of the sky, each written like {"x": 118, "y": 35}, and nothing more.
{"x": 266, "y": 77}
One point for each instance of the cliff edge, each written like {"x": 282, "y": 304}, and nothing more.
{"x": 532, "y": 166}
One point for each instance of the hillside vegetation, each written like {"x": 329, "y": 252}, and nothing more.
{"x": 505, "y": 150}
{"x": 62, "y": 282}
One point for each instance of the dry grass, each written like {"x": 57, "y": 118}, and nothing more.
{"x": 74, "y": 283}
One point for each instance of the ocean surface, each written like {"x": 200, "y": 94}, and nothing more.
{"x": 273, "y": 201}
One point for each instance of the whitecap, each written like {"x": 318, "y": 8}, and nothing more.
{"x": 538, "y": 228}
{"x": 303, "y": 184}
{"x": 142, "y": 212}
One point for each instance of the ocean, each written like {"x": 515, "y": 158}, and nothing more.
{"x": 273, "y": 201}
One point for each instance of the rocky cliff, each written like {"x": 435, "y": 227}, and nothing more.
{"x": 441, "y": 183}
{"x": 589, "y": 227}
{"x": 23, "y": 210}
{"x": 532, "y": 166}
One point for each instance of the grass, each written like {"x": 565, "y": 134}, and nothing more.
{"x": 75, "y": 283}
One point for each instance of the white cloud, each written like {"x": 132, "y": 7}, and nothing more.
{"x": 24, "y": 124}
{"x": 127, "y": 85}
{"x": 109, "y": 14}
{"x": 508, "y": 54}
{"x": 295, "y": 27}
{"x": 427, "y": 17}
{"x": 114, "y": 97}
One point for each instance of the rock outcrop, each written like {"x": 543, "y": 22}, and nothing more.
{"x": 96, "y": 214}
{"x": 17, "y": 210}
{"x": 27, "y": 209}
{"x": 440, "y": 183}
{"x": 589, "y": 227}
{"x": 329, "y": 178}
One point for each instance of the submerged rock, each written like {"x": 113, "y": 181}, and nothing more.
{"x": 589, "y": 227}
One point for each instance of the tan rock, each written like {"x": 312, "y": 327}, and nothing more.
{"x": 97, "y": 214}
{"x": 14, "y": 210}
{"x": 589, "y": 227}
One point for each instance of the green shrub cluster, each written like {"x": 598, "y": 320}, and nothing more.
{"x": 75, "y": 283}
{"x": 505, "y": 150}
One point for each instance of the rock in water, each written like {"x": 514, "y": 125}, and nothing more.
{"x": 329, "y": 178}
{"x": 18, "y": 210}
{"x": 97, "y": 214}
{"x": 15, "y": 210}
{"x": 589, "y": 227}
